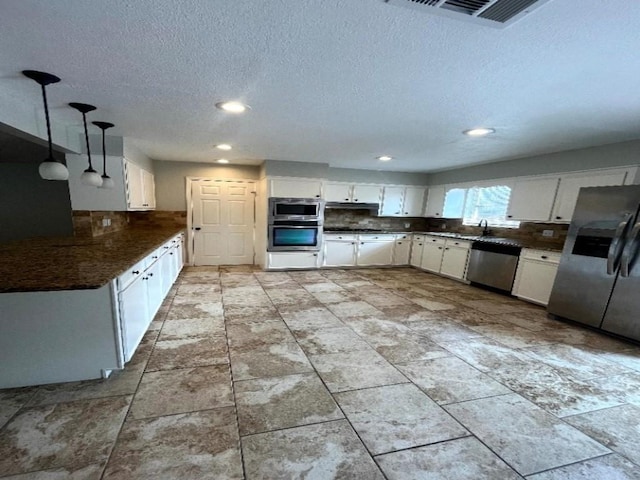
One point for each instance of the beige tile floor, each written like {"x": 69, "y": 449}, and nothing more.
{"x": 346, "y": 374}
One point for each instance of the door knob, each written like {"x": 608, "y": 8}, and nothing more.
{"x": 197, "y": 228}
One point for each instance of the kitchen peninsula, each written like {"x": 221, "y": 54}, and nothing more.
{"x": 76, "y": 308}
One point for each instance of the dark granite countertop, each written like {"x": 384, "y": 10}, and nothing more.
{"x": 501, "y": 240}
{"x": 70, "y": 263}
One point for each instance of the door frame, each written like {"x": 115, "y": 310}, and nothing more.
{"x": 190, "y": 233}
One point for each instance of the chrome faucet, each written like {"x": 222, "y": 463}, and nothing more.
{"x": 485, "y": 230}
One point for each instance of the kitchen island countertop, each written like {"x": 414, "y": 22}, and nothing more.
{"x": 75, "y": 263}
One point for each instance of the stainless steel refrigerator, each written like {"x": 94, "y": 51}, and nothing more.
{"x": 598, "y": 280}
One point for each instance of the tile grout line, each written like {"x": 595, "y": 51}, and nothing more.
{"x": 126, "y": 416}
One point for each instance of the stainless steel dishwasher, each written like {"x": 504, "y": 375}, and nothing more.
{"x": 493, "y": 263}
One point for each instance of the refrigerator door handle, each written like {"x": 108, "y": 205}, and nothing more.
{"x": 630, "y": 252}
{"x": 614, "y": 253}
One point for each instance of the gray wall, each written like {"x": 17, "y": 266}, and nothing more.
{"x": 281, "y": 168}
{"x": 613, "y": 155}
{"x": 375, "y": 176}
{"x": 170, "y": 179}
{"x": 30, "y": 206}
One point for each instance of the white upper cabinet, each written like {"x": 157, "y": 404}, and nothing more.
{"x": 352, "y": 193}
{"x": 392, "y": 202}
{"x": 291, "y": 187}
{"x": 140, "y": 188}
{"x": 435, "y": 201}
{"x": 337, "y": 192}
{"x": 413, "y": 205}
{"x": 571, "y": 184}
{"x": 403, "y": 201}
{"x": 532, "y": 199}
{"x": 366, "y": 193}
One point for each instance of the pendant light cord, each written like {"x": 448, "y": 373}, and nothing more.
{"x": 86, "y": 137}
{"x": 46, "y": 115}
{"x": 104, "y": 156}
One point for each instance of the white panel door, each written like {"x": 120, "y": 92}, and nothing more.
{"x": 375, "y": 253}
{"x": 435, "y": 201}
{"x": 392, "y": 202}
{"x": 223, "y": 218}
{"x": 339, "y": 254}
{"x": 432, "y": 255}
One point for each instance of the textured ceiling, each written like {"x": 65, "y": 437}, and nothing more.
{"x": 332, "y": 81}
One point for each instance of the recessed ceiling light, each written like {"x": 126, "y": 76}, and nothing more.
{"x": 232, "y": 107}
{"x": 384, "y": 158}
{"x": 224, "y": 146}
{"x": 479, "y": 132}
{"x": 222, "y": 160}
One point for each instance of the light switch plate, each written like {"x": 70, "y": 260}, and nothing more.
{"x": 547, "y": 233}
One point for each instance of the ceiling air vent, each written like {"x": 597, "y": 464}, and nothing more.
{"x": 492, "y": 13}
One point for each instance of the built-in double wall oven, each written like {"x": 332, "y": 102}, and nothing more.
{"x": 295, "y": 224}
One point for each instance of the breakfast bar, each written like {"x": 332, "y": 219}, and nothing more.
{"x": 76, "y": 308}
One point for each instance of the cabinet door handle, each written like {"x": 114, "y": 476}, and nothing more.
{"x": 197, "y": 228}
{"x": 509, "y": 216}
{"x": 437, "y": 214}
{"x": 136, "y": 272}
{"x": 406, "y": 213}
{"x": 151, "y": 274}
{"x": 544, "y": 257}
{"x": 346, "y": 199}
{"x": 446, "y": 248}
{"x": 315, "y": 254}
{"x": 434, "y": 240}
{"x": 558, "y": 218}
{"x": 419, "y": 244}
{"x": 361, "y": 243}
{"x": 353, "y": 243}
{"x": 399, "y": 243}
{"x": 155, "y": 256}
{"x": 145, "y": 278}
{"x": 456, "y": 243}
{"x": 397, "y": 213}
{"x": 439, "y": 248}
{"x": 170, "y": 253}
{"x": 165, "y": 247}
{"x": 317, "y": 196}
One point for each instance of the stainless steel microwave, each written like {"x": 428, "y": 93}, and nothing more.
{"x": 298, "y": 209}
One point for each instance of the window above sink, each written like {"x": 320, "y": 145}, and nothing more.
{"x": 480, "y": 202}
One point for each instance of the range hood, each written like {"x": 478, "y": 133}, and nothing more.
{"x": 373, "y": 207}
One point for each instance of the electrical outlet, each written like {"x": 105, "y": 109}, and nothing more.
{"x": 106, "y": 222}
{"x": 547, "y": 233}
{"x": 407, "y": 225}
{"x": 443, "y": 226}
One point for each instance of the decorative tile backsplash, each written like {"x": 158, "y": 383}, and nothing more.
{"x": 529, "y": 233}
{"x": 347, "y": 218}
{"x": 92, "y": 223}
{"x": 158, "y": 218}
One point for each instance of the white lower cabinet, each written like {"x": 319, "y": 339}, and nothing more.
{"x": 447, "y": 257}
{"x": 417, "y": 245}
{"x": 535, "y": 275}
{"x": 432, "y": 254}
{"x": 454, "y": 259}
{"x": 402, "y": 249}
{"x": 340, "y": 250}
{"x": 134, "y": 315}
{"x": 375, "y": 252}
{"x": 141, "y": 291}
{"x": 288, "y": 260}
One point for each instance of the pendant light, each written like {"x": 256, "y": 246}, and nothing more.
{"x": 50, "y": 169}
{"x": 89, "y": 176}
{"x": 107, "y": 181}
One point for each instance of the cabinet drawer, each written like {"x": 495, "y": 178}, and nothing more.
{"x": 131, "y": 274}
{"x": 541, "y": 255}
{"x": 458, "y": 243}
{"x": 434, "y": 240}
{"x": 334, "y": 237}
{"x": 382, "y": 237}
